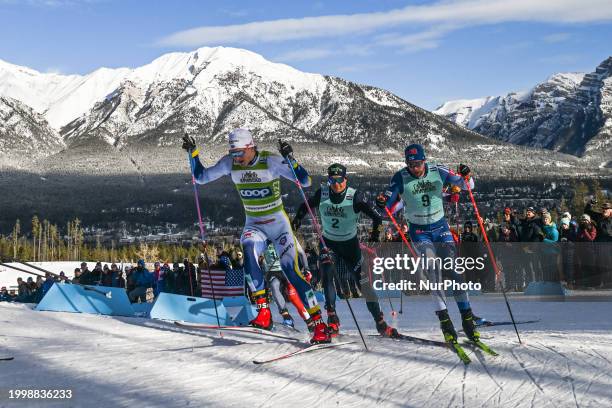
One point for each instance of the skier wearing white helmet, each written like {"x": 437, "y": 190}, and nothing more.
{"x": 256, "y": 175}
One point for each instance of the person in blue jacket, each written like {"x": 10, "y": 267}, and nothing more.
{"x": 142, "y": 280}
{"x": 550, "y": 259}
{"x": 49, "y": 281}
{"x": 551, "y": 233}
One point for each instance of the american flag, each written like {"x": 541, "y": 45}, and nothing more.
{"x": 225, "y": 283}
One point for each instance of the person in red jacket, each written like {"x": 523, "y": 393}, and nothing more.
{"x": 585, "y": 253}
{"x": 586, "y": 230}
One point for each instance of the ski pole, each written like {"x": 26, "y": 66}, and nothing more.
{"x": 107, "y": 294}
{"x": 204, "y": 243}
{"x": 457, "y": 219}
{"x": 20, "y": 270}
{"x": 320, "y": 234}
{"x": 412, "y": 251}
{"x": 493, "y": 260}
{"x": 371, "y": 252}
{"x": 36, "y": 267}
{"x": 399, "y": 230}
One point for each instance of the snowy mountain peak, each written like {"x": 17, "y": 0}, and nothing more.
{"x": 7, "y": 68}
{"x": 64, "y": 98}
{"x": 470, "y": 113}
{"x": 566, "y": 112}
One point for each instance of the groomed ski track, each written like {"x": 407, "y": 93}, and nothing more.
{"x": 566, "y": 361}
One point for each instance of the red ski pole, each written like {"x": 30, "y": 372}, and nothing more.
{"x": 399, "y": 230}
{"x": 492, "y": 257}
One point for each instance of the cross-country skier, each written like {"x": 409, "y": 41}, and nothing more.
{"x": 280, "y": 288}
{"x": 339, "y": 208}
{"x": 419, "y": 186}
{"x": 256, "y": 175}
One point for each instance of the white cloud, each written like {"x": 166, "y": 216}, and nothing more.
{"x": 423, "y": 40}
{"x": 456, "y": 12}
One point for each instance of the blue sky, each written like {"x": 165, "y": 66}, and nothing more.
{"x": 427, "y": 52}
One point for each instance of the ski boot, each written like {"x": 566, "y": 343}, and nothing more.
{"x": 480, "y": 321}
{"x": 450, "y": 335}
{"x": 467, "y": 320}
{"x": 333, "y": 323}
{"x": 318, "y": 329}
{"x": 385, "y": 330}
{"x": 287, "y": 319}
{"x": 264, "y": 315}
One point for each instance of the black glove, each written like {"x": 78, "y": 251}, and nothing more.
{"x": 464, "y": 170}
{"x": 381, "y": 200}
{"x": 296, "y": 224}
{"x": 593, "y": 201}
{"x": 325, "y": 256}
{"x": 285, "y": 149}
{"x": 189, "y": 143}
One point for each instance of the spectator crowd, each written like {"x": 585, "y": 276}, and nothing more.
{"x": 573, "y": 250}
{"x": 140, "y": 283}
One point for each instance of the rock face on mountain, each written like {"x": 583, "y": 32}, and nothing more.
{"x": 211, "y": 91}
{"x": 569, "y": 113}
{"x": 24, "y": 132}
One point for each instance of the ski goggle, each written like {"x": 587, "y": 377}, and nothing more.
{"x": 415, "y": 163}
{"x": 336, "y": 180}
{"x": 237, "y": 153}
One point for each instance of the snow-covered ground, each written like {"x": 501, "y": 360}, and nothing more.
{"x": 565, "y": 361}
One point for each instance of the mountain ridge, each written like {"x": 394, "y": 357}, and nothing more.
{"x": 568, "y": 112}
{"x": 210, "y": 91}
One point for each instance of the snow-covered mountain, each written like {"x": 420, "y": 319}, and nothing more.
{"x": 209, "y": 91}
{"x": 25, "y": 132}
{"x": 569, "y": 112}
{"x": 59, "y": 98}
{"x": 205, "y": 92}
{"x": 124, "y": 112}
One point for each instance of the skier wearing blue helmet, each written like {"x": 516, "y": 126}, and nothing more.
{"x": 418, "y": 187}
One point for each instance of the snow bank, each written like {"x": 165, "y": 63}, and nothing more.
{"x": 565, "y": 361}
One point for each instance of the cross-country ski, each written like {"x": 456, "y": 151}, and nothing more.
{"x": 252, "y": 330}
{"x": 418, "y": 340}
{"x": 307, "y": 349}
{"x": 504, "y": 323}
